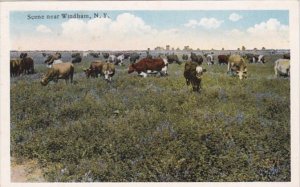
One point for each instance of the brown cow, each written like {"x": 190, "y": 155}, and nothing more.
{"x": 149, "y": 65}
{"x": 15, "y": 65}
{"x": 26, "y": 64}
{"x": 237, "y": 66}
{"x": 223, "y": 59}
{"x": 193, "y": 75}
{"x": 94, "y": 69}
{"x": 59, "y": 71}
{"x": 108, "y": 70}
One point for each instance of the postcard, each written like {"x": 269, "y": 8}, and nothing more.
{"x": 150, "y": 93}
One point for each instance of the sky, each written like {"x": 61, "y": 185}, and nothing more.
{"x": 142, "y": 29}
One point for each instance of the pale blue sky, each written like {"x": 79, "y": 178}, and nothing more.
{"x": 21, "y": 27}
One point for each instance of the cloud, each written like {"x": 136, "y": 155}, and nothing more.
{"x": 270, "y": 26}
{"x": 191, "y": 23}
{"x": 210, "y": 23}
{"x": 235, "y": 17}
{"x": 43, "y": 29}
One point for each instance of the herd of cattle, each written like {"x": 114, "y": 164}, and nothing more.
{"x": 144, "y": 66}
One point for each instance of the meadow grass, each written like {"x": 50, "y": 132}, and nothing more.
{"x": 155, "y": 128}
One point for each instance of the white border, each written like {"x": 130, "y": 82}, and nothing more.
{"x": 6, "y": 7}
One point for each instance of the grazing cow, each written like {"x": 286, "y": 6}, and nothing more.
{"x": 108, "y": 70}
{"x": 287, "y": 56}
{"x": 15, "y": 67}
{"x": 59, "y": 71}
{"x": 94, "y": 69}
{"x": 150, "y": 65}
{"x": 193, "y": 75}
{"x": 223, "y": 59}
{"x": 261, "y": 59}
{"x": 209, "y": 59}
{"x": 196, "y": 58}
{"x": 282, "y": 67}
{"x": 173, "y": 58}
{"x": 237, "y": 66}
{"x": 26, "y": 65}
{"x": 53, "y": 59}
{"x": 134, "y": 57}
{"x": 95, "y": 55}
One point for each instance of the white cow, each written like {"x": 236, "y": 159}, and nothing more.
{"x": 210, "y": 59}
{"x": 261, "y": 59}
{"x": 120, "y": 59}
{"x": 282, "y": 67}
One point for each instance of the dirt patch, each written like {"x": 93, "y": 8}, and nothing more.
{"x": 26, "y": 171}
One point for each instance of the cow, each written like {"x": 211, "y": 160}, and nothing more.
{"x": 223, "y": 59}
{"x": 237, "y": 66}
{"x": 108, "y": 70}
{"x": 105, "y": 55}
{"x": 134, "y": 57}
{"x": 173, "y": 58}
{"x": 252, "y": 58}
{"x": 196, "y": 58}
{"x": 193, "y": 75}
{"x": 77, "y": 58}
{"x": 282, "y": 67}
{"x": 287, "y": 56}
{"x": 26, "y": 64}
{"x": 149, "y": 65}
{"x": 261, "y": 59}
{"x": 94, "y": 70}
{"x": 209, "y": 59}
{"x": 94, "y": 54}
{"x": 119, "y": 60}
{"x": 53, "y": 59}
{"x": 185, "y": 57}
{"x": 112, "y": 59}
{"x": 59, "y": 71}
{"x": 15, "y": 67}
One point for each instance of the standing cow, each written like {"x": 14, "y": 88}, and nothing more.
{"x": 223, "y": 59}
{"x": 26, "y": 64}
{"x": 193, "y": 75}
{"x": 149, "y": 65}
{"x": 15, "y": 67}
{"x": 237, "y": 66}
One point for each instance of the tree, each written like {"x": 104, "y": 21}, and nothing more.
{"x": 263, "y": 48}
{"x": 238, "y": 49}
{"x": 243, "y": 48}
{"x": 222, "y": 48}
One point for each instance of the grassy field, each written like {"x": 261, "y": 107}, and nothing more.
{"x": 155, "y": 128}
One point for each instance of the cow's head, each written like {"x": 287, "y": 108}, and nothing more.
{"x": 131, "y": 68}
{"x": 199, "y": 72}
{"x": 242, "y": 73}
{"x": 47, "y": 77}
